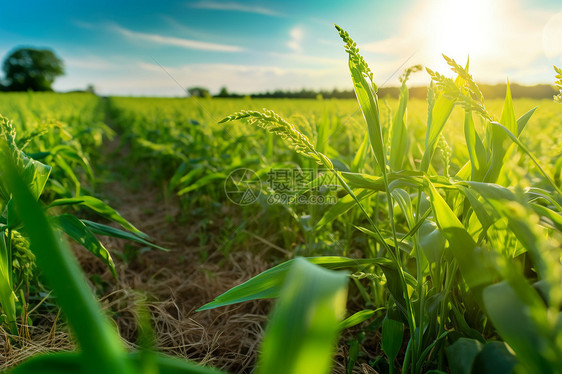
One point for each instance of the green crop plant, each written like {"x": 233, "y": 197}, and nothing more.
{"x": 313, "y": 299}
{"x": 17, "y": 261}
{"x": 467, "y": 249}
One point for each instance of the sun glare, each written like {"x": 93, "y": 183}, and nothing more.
{"x": 458, "y": 29}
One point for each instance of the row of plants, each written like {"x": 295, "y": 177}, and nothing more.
{"x": 452, "y": 243}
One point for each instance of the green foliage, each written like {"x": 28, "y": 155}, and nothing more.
{"x": 32, "y": 69}
{"x": 454, "y": 244}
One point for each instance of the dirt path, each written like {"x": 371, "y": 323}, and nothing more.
{"x": 174, "y": 284}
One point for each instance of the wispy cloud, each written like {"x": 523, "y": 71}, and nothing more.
{"x": 89, "y": 63}
{"x": 235, "y": 7}
{"x": 174, "y": 41}
{"x": 296, "y": 35}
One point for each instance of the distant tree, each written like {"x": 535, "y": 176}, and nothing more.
{"x": 91, "y": 89}
{"x": 198, "y": 92}
{"x": 223, "y": 92}
{"x": 32, "y": 69}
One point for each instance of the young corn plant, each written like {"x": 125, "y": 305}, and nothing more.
{"x": 311, "y": 298}
{"x": 17, "y": 261}
{"x": 469, "y": 236}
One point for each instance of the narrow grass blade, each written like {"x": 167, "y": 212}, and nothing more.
{"x": 357, "y": 318}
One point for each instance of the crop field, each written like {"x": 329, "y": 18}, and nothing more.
{"x": 211, "y": 235}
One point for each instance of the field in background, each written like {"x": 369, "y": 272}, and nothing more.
{"x": 168, "y": 162}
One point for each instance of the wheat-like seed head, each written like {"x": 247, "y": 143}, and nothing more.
{"x": 408, "y": 72}
{"x": 272, "y": 122}
{"x": 469, "y": 83}
{"x": 558, "y": 83}
{"x": 354, "y": 56}
{"x": 448, "y": 88}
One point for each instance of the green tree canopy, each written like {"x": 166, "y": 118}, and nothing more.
{"x": 31, "y": 69}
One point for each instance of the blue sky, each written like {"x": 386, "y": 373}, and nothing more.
{"x": 123, "y": 47}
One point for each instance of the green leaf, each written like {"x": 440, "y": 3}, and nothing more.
{"x": 524, "y": 149}
{"x": 268, "y": 284}
{"x": 102, "y": 347}
{"x": 343, "y": 205}
{"x": 510, "y": 316}
{"x": 98, "y": 228}
{"x": 494, "y": 358}
{"x": 313, "y": 299}
{"x": 499, "y": 138}
{"x": 392, "y": 335}
{"x": 356, "y": 318}
{"x": 368, "y": 101}
{"x": 398, "y": 132}
{"x": 73, "y": 362}
{"x": 431, "y": 241}
{"x": 101, "y": 208}
{"x": 461, "y": 355}
{"x": 476, "y": 149}
{"x": 462, "y": 246}
{"x": 439, "y": 110}
{"x": 522, "y": 121}
{"x": 78, "y": 231}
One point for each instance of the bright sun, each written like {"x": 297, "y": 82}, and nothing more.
{"x": 458, "y": 28}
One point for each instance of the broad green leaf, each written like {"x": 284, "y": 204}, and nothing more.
{"x": 73, "y": 362}
{"x": 78, "y": 231}
{"x": 313, "y": 299}
{"x": 439, "y": 110}
{"x": 461, "y": 355}
{"x": 392, "y": 335}
{"x": 494, "y": 358}
{"x": 404, "y": 177}
{"x": 99, "y": 207}
{"x": 368, "y": 101}
{"x": 510, "y": 316}
{"x": 462, "y": 246}
{"x": 102, "y": 347}
{"x": 555, "y": 218}
{"x": 431, "y": 241}
{"x": 268, "y": 283}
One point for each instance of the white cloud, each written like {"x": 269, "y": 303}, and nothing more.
{"x": 236, "y": 7}
{"x": 174, "y": 41}
{"x": 296, "y": 35}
